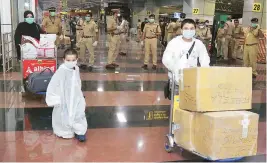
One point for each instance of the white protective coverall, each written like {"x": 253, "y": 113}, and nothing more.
{"x": 175, "y": 56}
{"x": 65, "y": 94}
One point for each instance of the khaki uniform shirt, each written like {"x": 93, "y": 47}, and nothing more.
{"x": 139, "y": 25}
{"x": 150, "y": 28}
{"x": 229, "y": 28}
{"x": 112, "y": 23}
{"x": 79, "y": 25}
{"x": 89, "y": 28}
{"x": 171, "y": 27}
{"x": 204, "y": 33}
{"x": 252, "y": 36}
{"x": 178, "y": 28}
{"x": 52, "y": 25}
{"x": 220, "y": 34}
{"x": 238, "y": 32}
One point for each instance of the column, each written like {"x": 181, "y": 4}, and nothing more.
{"x": 206, "y": 9}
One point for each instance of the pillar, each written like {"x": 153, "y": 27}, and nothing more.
{"x": 248, "y": 13}
{"x": 206, "y": 9}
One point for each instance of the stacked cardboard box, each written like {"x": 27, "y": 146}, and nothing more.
{"x": 211, "y": 120}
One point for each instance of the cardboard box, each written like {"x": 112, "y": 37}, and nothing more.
{"x": 183, "y": 136}
{"x": 216, "y": 89}
{"x": 221, "y": 135}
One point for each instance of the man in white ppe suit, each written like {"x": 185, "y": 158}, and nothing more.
{"x": 183, "y": 51}
{"x": 65, "y": 95}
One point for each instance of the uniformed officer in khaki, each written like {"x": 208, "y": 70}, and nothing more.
{"x": 228, "y": 33}
{"x": 238, "y": 34}
{"x": 88, "y": 41}
{"x": 251, "y": 46}
{"x": 203, "y": 33}
{"x": 220, "y": 39}
{"x": 52, "y": 24}
{"x": 151, "y": 32}
{"x": 171, "y": 30}
{"x": 113, "y": 30}
{"x": 79, "y": 28}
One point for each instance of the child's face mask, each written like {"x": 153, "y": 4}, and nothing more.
{"x": 70, "y": 64}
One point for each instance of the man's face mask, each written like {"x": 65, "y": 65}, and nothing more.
{"x": 151, "y": 20}
{"x": 254, "y": 25}
{"x": 201, "y": 26}
{"x": 189, "y": 34}
{"x": 87, "y": 18}
{"x": 29, "y": 20}
{"x": 52, "y": 13}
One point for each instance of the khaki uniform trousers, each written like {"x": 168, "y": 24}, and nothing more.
{"x": 151, "y": 47}
{"x": 78, "y": 36}
{"x": 87, "y": 43}
{"x": 123, "y": 44}
{"x": 235, "y": 46}
{"x": 250, "y": 57}
{"x": 220, "y": 45}
{"x": 169, "y": 37}
{"x": 139, "y": 35}
{"x": 114, "y": 47}
{"x": 227, "y": 46}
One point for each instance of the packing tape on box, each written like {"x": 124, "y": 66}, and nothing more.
{"x": 197, "y": 90}
{"x": 245, "y": 123}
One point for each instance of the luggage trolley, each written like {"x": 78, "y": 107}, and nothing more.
{"x": 170, "y": 142}
{"x": 38, "y": 64}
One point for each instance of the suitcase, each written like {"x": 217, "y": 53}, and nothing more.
{"x": 37, "y": 82}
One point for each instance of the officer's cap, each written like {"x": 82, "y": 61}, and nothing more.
{"x": 152, "y": 15}
{"x": 51, "y": 9}
{"x": 255, "y": 20}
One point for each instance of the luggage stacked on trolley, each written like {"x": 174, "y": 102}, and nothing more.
{"x": 38, "y": 63}
{"x": 208, "y": 116}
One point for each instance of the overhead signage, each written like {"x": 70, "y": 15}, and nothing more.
{"x": 256, "y": 7}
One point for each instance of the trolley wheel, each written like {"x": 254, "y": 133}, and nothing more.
{"x": 168, "y": 148}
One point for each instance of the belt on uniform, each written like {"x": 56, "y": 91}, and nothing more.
{"x": 113, "y": 34}
{"x": 150, "y": 37}
{"x": 79, "y": 29}
{"x": 88, "y": 36}
{"x": 251, "y": 44}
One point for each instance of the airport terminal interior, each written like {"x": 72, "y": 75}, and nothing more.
{"x": 128, "y": 116}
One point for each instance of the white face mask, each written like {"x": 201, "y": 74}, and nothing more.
{"x": 70, "y": 64}
{"x": 201, "y": 26}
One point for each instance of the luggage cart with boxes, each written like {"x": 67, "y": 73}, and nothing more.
{"x": 170, "y": 143}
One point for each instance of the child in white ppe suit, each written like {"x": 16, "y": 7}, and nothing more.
{"x": 65, "y": 95}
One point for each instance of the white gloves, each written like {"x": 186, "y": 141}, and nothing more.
{"x": 118, "y": 27}
{"x": 95, "y": 44}
{"x": 142, "y": 43}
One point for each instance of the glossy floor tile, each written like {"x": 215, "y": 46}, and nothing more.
{"x": 130, "y": 92}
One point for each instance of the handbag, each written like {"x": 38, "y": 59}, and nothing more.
{"x": 167, "y": 88}
{"x": 38, "y": 81}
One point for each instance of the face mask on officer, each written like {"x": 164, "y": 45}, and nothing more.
{"x": 52, "y": 13}
{"x": 254, "y": 25}
{"x": 87, "y": 18}
{"x": 201, "y": 26}
{"x": 151, "y": 20}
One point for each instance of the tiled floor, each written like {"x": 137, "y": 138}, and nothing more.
{"x": 26, "y": 126}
